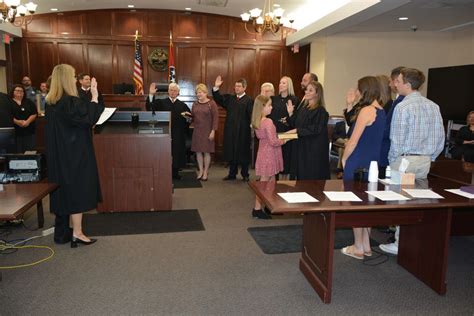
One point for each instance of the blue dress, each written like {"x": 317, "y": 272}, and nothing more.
{"x": 368, "y": 147}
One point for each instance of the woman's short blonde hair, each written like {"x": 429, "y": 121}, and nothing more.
{"x": 63, "y": 81}
{"x": 258, "y": 106}
{"x": 201, "y": 87}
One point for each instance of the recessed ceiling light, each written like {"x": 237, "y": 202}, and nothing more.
{"x": 187, "y": 9}
{"x": 276, "y": 5}
{"x": 403, "y": 18}
{"x": 54, "y": 9}
{"x": 131, "y": 6}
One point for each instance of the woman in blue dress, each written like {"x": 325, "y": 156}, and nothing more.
{"x": 363, "y": 147}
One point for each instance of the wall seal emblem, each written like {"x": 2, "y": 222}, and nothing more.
{"x": 158, "y": 59}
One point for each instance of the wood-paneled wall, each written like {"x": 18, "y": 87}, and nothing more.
{"x": 101, "y": 42}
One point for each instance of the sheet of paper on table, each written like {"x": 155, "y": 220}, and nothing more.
{"x": 423, "y": 194}
{"x": 297, "y": 197}
{"x": 460, "y": 192}
{"x": 387, "y": 195}
{"x": 344, "y": 196}
{"x": 105, "y": 115}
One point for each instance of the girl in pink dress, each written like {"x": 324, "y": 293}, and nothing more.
{"x": 269, "y": 158}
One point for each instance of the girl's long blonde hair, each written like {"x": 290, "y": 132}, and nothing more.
{"x": 258, "y": 106}
{"x": 63, "y": 81}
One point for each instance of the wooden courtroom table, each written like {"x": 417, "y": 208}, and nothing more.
{"x": 18, "y": 198}
{"x": 424, "y": 232}
{"x": 463, "y": 173}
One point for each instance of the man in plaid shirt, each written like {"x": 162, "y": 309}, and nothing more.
{"x": 416, "y": 134}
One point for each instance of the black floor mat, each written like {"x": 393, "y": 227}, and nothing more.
{"x": 289, "y": 238}
{"x": 188, "y": 180}
{"x": 131, "y": 223}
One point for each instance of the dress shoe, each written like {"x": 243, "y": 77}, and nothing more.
{"x": 339, "y": 175}
{"x": 228, "y": 178}
{"x": 76, "y": 241}
{"x": 260, "y": 214}
{"x": 246, "y": 179}
{"x": 204, "y": 179}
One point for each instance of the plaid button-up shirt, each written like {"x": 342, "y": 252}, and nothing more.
{"x": 417, "y": 128}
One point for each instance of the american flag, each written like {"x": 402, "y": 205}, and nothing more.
{"x": 171, "y": 69}
{"x": 138, "y": 68}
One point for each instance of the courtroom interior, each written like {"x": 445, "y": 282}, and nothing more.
{"x": 224, "y": 157}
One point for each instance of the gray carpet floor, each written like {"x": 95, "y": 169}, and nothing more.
{"x": 219, "y": 271}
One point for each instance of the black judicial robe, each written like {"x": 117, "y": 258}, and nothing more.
{"x": 87, "y": 96}
{"x": 70, "y": 155}
{"x": 179, "y": 126}
{"x": 310, "y": 155}
{"x": 237, "y": 134}
{"x": 279, "y": 116}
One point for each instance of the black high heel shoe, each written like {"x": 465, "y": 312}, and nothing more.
{"x": 76, "y": 241}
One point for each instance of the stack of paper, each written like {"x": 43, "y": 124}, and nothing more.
{"x": 460, "y": 192}
{"x": 423, "y": 194}
{"x": 337, "y": 196}
{"x": 387, "y": 195}
{"x": 297, "y": 197}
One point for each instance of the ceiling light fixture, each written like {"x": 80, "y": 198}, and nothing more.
{"x": 131, "y": 6}
{"x": 403, "y": 18}
{"x": 11, "y": 9}
{"x": 54, "y": 9}
{"x": 187, "y": 9}
{"x": 269, "y": 21}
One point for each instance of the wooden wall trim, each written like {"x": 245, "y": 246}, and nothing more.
{"x": 101, "y": 42}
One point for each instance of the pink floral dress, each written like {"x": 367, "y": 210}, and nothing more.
{"x": 269, "y": 158}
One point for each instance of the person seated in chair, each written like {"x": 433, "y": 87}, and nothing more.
{"x": 464, "y": 149}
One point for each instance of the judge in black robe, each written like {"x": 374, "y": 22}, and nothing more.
{"x": 70, "y": 157}
{"x": 179, "y": 123}
{"x": 311, "y": 150}
{"x": 84, "y": 90}
{"x": 237, "y": 132}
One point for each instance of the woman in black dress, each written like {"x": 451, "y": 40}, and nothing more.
{"x": 310, "y": 122}
{"x": 24, "y": 116}
{"x": 70, "y": 154}
{"x": 279, "y": 116}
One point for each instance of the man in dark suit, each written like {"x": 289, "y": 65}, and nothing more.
{"x": 179, "y": 123}
{"x": 30, "y": 92}
{"x": 237, "y": 136}
{"x": 84, "y": 91}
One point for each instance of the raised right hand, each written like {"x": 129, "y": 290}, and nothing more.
{"x": 290, "y": 107}
{"x": 94, "y": 91}
{"x": 152, "y": 88}
{"x": 351, "y": 97}
{"x": 218, "y": 81}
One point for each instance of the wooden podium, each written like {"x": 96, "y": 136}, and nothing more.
{"x": 134, "y": 165}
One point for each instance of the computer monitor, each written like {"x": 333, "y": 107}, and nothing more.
{"x": 7, "y": 140}
{"x": 123, "y": 88}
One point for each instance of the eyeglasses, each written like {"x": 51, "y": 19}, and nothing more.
{"x": 18, "y": 90}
